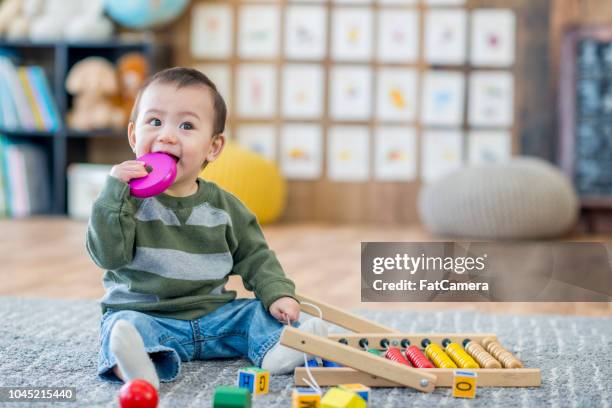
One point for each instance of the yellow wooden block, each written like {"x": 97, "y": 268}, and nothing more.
{"x": 339, "y": 398}
{"x": 305, "y": 398}
{"x": 464, "y": 384}
{"x": 359, "y": 389}
{"x": 255, "y": 379}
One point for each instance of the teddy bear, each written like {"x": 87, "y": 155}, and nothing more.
{"x": 93, "y": 82}
{"x": 133, "y": 70}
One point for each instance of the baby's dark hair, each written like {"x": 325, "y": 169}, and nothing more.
{"x": 184, "y": 77}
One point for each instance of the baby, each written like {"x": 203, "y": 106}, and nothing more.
{"x": 167, "y": 258}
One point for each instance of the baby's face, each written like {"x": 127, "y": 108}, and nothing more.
{"x": 178, "y": 121}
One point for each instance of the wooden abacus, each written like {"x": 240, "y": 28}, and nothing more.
{"x": 360, "y": 366}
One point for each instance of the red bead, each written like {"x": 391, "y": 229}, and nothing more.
{"x": 394, "y": 354}
{"x": 138, "y": 394}
{"x": 417, "y": 358}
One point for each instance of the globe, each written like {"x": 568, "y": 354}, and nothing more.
{"x": 144, "y": 14}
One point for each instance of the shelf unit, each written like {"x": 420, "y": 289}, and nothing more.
{"x": 66, "y": 146}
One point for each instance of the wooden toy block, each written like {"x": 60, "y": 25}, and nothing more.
{"x": 255, "y": 379}
{"x": 339, "y": 398}
{"x": 305, "y": 398}
{"x": 464, "y": 384}
{"x": 231, "y": 397}
{"x": 359, "y": 389}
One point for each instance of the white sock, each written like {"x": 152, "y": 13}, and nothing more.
{"x": 128, "y": 348}
{"x": 283, "y": 360}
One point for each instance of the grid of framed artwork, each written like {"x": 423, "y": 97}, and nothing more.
{"x": 358, "y": 90}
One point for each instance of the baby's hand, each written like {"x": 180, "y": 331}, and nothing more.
{"x": 128, "y": 170}
{"x": 284, "y": 309}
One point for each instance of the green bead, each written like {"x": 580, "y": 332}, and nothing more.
{"x": 374, "y": 351}
{"x": 231, "y": 397}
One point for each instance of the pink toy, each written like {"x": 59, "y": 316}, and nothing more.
{"x": 162, "y": 172}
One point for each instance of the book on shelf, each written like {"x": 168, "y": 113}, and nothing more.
{"x": 26, "y": 101}
{"x": 24, "y": 179}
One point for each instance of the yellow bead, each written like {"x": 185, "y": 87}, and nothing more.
{"x": 438, "y": 356}
{"x": 464, "y": 384}
{"x": 460, "y": 357}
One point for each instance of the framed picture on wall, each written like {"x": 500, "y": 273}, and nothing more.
{"x": 396, "y": 94}
{"x": 352, "y": 34}
{"x": 398, "y": 36}
{"x": 348, "y": 153}
{"x": 489, "y": 146}
{"x": 259, "y": 138}
{"x": 491, "y": 99}
{"x": 305, "y": 32}
{"x": 441, "y": 153}
{"x": 442, "y": 98}
{"x": 493, "y": 38}
{"x": 302, "y": 89}
{"x": 301, "y": 151}
{"x": 395, "y": 153}
{"x": 259, "y": 27}
{"x": 445, "y": 36}
{"x": 351, "y": 90}
{"x": 256, "y": 93}
{"x": 211, "y": 31}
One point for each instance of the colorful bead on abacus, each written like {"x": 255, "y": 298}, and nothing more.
{"x": 254, "y": 379}
{"x": 394, "y": 353}
{"x": 481, "y": 355}
{"x": 312, "y": 363}
{"x": 359, "y": 389}
{"x": 415, "y": 355}
{"x": 339, "y": 398}
{"x": 330, "y": 364}
{"x": 363, "y": 343}
{"x": 459, "y": 355}
{"x": 437, "y": 355}
{"x": 305, "y": 398}
{"x": 501, "y": 354}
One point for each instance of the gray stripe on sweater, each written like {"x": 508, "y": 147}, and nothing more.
{"x": 117, "y": 293}
{"x": 208, "y": 216}
{"x": 174, "y": 264}
{"x": 153, "y": 210}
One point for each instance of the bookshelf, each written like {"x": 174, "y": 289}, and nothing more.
{"x": 65, "y": 146}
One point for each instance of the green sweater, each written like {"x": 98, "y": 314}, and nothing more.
{"x": 171, "y": 257}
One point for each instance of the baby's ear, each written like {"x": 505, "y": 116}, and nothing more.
{"x": 131, "y": 131}
{"x": 216, "y": 147}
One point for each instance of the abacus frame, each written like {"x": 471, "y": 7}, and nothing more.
{"x": 367, "y": 369}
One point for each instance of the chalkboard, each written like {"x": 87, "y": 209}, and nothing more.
{"x": 586, "y": 113}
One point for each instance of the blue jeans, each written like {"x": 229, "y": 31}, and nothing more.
{"x": 241, "y": 328}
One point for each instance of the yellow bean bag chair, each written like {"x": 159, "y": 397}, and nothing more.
{"x": 256, "y": 181}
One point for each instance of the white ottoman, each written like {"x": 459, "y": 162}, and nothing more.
{"x": 520, "y": 199}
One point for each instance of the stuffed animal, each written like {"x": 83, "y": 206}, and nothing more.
{"x": 133, "y": 70}
{"x": 93, "y": 82}
{"x": 9, "y": 11}
{"x": 72, "y": 20}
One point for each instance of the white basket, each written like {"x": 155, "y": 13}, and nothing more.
{"x": 85, "y": 181}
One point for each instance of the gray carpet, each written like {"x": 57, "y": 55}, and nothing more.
{"x": 54, "y": 343}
